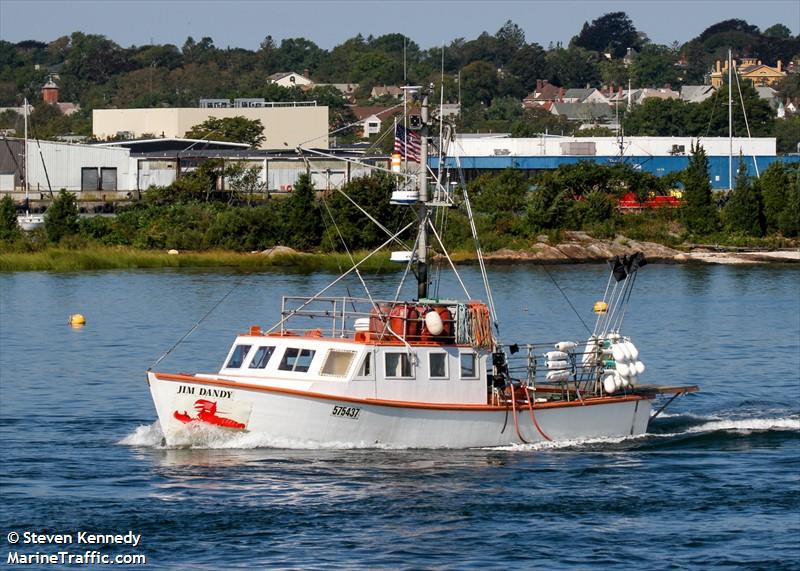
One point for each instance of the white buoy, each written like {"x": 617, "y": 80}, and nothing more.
{"x": 557, "y": 364}
{"x": 557, "y": 376}
{"x": 625, "y": 382}
{"x": 617, "y": 381}
{"x": 633, "y": 380}
{"x": 566, "y": 345}
{"x": 640, "y": 368}
{"x": 623, "y": 369}
{"x": 619, "y": 353}
{"x": 555, "y": 356}
{"x": 433, "y": 321}
{"x": 609, "y": 385}
{"x": 634, "y": 352}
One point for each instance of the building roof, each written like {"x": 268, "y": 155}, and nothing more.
{"x": 578, "y": 93}
{"x": 696, "y": 93}
{"x": 583, "y": 111}
{"x": 366, "y": 111}
{"x": 174, "y": 144}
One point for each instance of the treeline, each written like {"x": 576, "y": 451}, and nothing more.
{"x": 511, "y": 211}
{"x": 96, "y": 72}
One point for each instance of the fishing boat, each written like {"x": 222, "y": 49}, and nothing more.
{"x": 420, "y": 371}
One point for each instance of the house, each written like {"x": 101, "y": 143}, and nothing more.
{"x": 696, "y": 93}
{"x": 545, "y": 94}
{"x": 290, "y": 79}
{"x": 587, "y": 95}
{"x": 50, "y": 96}
{"x": 386, "y": 90}
{"x": 751, "y": 69}
{"x": 654, "y": 93}
{"x": 371, "y": 118}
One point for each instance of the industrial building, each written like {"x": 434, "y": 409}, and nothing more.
{"x": 123, "y": 170}
{"x": 286, "y": 125}
{"x": 478, "y": 153}
{"x": 91, "y": 171}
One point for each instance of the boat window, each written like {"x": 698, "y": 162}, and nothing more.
{"x": 337, "y": 363}
{"x": 366, "y": 366}
{"x": 297, "y": 360}
{"x": 237, "y": 357}
{"x": 468, "y": 368}
{"x": 437, "y": 364}
{"x": 398, "y": 365}
{"x": 261, "y": 358}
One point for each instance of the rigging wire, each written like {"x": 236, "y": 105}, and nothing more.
{"x": 558, "y": 287}
{"x": 196, "y": 325}
{"x": 746, "y": 124}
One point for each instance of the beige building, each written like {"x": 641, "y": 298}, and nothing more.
{"x": 286, "y": 125}
{"x": 751, "y": 69}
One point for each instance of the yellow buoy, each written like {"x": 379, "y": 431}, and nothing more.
{"x": 77, "y": 320}
{"x": 600, "y": 307}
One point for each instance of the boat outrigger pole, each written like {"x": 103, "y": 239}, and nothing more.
{"x": 422, "y": 243}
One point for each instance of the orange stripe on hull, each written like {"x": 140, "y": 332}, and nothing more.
{"x": 389, "y": 403}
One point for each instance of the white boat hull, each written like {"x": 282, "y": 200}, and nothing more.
{"x": 286, "y": 417}
{"x": 29, "y": 222}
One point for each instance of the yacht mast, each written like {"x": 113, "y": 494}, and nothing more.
{"x": 730, "y": 121}
{"x": 25, "y": 150}
{"x": 422, "y": 216}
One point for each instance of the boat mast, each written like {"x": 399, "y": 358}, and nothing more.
{"x": 422, "y": 215}
{"x": 25, "y": 149}
{"x": 730, "y": 121}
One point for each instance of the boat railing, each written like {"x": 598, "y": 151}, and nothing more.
{"x": 379, "y": 319}
{"x": 575, "y": 373}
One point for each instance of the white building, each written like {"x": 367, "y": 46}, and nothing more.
{"x": 289, "y": 79}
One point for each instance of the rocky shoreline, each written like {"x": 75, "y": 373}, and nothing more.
{"x": 579, "y": 247}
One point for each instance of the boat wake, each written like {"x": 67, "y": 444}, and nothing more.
{"x": 666, "y": 430}
{"x": 676, "y": 428}
{"x": 206, "y": 437}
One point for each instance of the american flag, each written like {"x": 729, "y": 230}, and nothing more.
{"x": 406, "y": 143}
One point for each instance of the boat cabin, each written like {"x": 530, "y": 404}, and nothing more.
{"x": 391, "y": 353}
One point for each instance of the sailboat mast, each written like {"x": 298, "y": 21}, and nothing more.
{"x": 25, "y": 149}
{"x": 422, "y": 242}
{"x": 730, "y": 121}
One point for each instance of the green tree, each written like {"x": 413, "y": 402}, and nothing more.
{"x": 573, "y": 67}
{"x": 611, "y": 33}
{"x": 699, "y": 212}
{"x": 654, "y": 66}
{"x": 789, "y": 219}
{"x": 479, "y": 83}
{"x": 787, "y": 133}
{"x": 744, "y": 211}
{"x": 778, "y": 31}
{"x": 303, "y": 220}
{"x": 235, "y": 129}
{"x": 61, "y": 218}
{"x": 9, "y": 228}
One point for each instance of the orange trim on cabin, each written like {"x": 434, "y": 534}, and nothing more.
{"x": 389, "y": 403}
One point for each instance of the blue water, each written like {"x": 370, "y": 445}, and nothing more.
{"x": 716, "y": 484}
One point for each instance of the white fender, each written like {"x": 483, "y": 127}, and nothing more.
{"x": 634, "y": 352}
{"x": 556, "y": 356}
{"x": 640, "y": 368}
{"x": 557, "y": 376}
{"x": 609, "y": 385}
{"x": 433, "y": 321}
{"x": 566, "y": 345}
{"x": 618, "y": 350}
{"x": 623, "y": 369}
{"x": 557, "y": 364}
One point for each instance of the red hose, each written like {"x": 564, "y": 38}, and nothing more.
{"x": 533, "y": 417}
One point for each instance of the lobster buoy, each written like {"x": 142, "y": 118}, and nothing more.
{"x": 566, "y": 345}
{"x": 433, "y": 322}
{"x": 555, "y": 356}
{"x": 623, "y": 369}
{"x": 609, "y": 385}
{"x": 640, "y": 368}
{"x": 632, "y": 350}
{"x": 447, "y": 321}
{"x": 600, "y": 307}
{"x": 77, "y": 320}
{"x": 557, "y": 376}
{"x": 618, "y": 351}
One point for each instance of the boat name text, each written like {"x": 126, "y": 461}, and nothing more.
{"x": 204, "y": 392}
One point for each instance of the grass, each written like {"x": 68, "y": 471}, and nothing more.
{"x": 111, "y": 258}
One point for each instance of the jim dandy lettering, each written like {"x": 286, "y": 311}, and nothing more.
{"x": 204, "y": 392}
{"x": 83, "y": 537}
